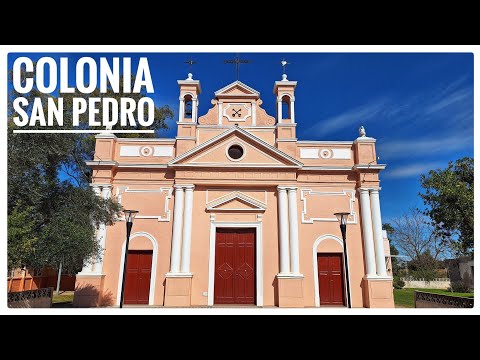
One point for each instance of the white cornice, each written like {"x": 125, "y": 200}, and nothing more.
{"x": 327, "y": 168}
{"x": 186, "y": 138}
{"x": 284, "y": 83}
{"x": 287, "y": 140}
{"x": 314, "y": 142}
{"x": 145, "y": 140}
{"x": 100, "y": 163}
{"x": 142, "y": 165}
{"x": 364, "y": 139}
{"x": 191, "y": 82}
{"x": 369, "y": 167}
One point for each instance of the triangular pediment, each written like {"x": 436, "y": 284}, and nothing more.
{"x": 236, "y": 201}
{"x": 256, "y": 153}
{"x": 237, "y": 88}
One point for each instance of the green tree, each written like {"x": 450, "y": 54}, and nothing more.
{"x": 448, "y": 194}
{"x": 52, "y": 211}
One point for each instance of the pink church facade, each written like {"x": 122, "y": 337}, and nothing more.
{"x": 237, "y": 211}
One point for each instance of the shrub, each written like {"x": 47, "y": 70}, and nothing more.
{"x": 398, "y": 283}
{"x": 459, "y": 286}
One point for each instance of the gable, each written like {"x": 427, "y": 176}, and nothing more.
{"x": 256, "y": 153}
{"x": 237, "y": 88}
{"x": 236, "y": 201}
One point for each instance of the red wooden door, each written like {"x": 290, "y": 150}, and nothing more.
{"x": 330, "y": 278}
{"x": 235, "y": 266}
{"x": 137, "y": 281}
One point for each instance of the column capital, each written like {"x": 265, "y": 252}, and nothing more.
{"x": 375, "y": 190}
{"x": 364, "y": 190}
{"x": 282, "y": 188}
{"x": 100, "y": 186}
{"x": 292, "y": 188}
{"x": 184, "y": 186}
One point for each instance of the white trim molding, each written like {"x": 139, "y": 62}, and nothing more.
{"x": 303, "y": 197}
{"x": 168, "y": 196}
{"x": 231, "y": 192}
{"x": 238, "y": 83}
{"x": 153, "y": 274}
{"x": 256, "y": 205}
{"x": 258, "y": 257}
{"x": 245, "y": 106}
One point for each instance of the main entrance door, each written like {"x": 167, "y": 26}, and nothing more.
{"x": 137, "y": 281}
{"x": 330, "y": 278}
{"x": 235, "y": 266}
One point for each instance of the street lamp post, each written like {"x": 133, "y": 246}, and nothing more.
{"x": 129, "y": 217}
{"x": 342, "y": 218}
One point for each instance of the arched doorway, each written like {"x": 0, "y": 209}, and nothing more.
{"x": 141, "y": 270}
{"x": 329, "y": 271}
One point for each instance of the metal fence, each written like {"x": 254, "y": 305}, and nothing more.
{"x": 429, "y": 300}
{"x": 41, "y": 298}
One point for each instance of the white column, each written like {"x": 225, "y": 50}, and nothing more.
{"x": 194, "y": 110}
{"x": 187, "y": 229}
{"x": 378, "y": 233}
{"x": 181, "y": 110}
{"x": 88, "y": 266}
{"x": 367, "y": 232}
{"x": 177, "y": 230}
{"x": 293, "y": 227}
{"x": 292, "y": 111}
{"x": 283, "y": 230}
{"x": 279, "y": 110}
{"x": 102, "y": 234}
{"x": 220, "y": 112}
{"x": 254, "y": 113}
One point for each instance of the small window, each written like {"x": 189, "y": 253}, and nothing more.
{"x": 235, "y": 152}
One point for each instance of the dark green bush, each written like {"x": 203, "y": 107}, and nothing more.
{"x": 459, "y": 286}
{"x": 398, "y": 283}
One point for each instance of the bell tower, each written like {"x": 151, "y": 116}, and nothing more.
{"x": 187, "y": 114}
{"x": 284, "y": 91}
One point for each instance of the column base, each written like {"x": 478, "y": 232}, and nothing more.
{"x": 178, "y": 288}
{"x": 89, "y": 291}
{"x": 290, "y": 291}
{"x": 378, "y": 292}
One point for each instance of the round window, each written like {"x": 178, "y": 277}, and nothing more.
{"x": 235, "y": 152}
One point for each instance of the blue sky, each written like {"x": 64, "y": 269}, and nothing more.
{"x": 418, "y": 106}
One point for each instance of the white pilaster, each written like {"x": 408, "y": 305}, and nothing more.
{"x": 254, "y": 113}
{"x": 177, "y": 230}
{"x": 292, "y": 111}
{"x": 181, "y": 110}
{"x": 367, "y": 232}
{"x": 279, "y": 110}
{"x": 378, "y": 233}
{"x": 283, "y": 230}
{"x": 194, "y": 110}
{"x": 102, "y": 232}
{"x": 220, "y": 112}
{"x": 88, "y": 268}
{"x": 293, "y": 227}
{"x": 187, "y": 229}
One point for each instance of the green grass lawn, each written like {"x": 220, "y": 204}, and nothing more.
{"x": 62, "y": 298}
{"x": 406, "y": 297}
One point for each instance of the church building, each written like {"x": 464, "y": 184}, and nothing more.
{"x": 235, "y": 210}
